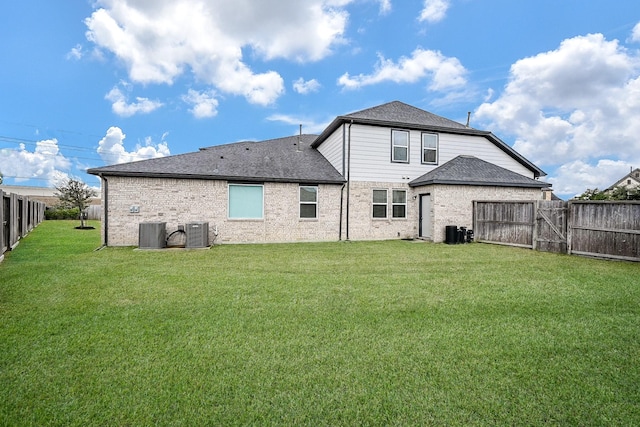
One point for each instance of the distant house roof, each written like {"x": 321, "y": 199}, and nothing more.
{"x": 631, "y": 179}
{"x": 399, "y": 114}
{"x": 469, "y": 170}
{"x": 289, "y": 159}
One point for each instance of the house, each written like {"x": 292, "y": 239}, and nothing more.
{"x": 387, "y": 172}
{"x": 629, "y": 181}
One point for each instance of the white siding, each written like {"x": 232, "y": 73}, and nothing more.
{"x": 371, "y": 154}
{"x": 332, "y": 148}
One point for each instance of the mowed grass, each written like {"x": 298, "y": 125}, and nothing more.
{"x": 343, "y": 333}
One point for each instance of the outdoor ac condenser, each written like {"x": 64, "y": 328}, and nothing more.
{"x": 197, "y": 234}
{"x": 152, "y": 235}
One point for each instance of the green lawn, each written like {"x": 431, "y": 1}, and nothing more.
{"x": 344, "y": 333}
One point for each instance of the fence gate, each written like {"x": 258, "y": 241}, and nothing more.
{"x": 550, "y": 233}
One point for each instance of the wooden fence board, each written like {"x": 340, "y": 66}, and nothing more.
{"x": 608, "y": 229}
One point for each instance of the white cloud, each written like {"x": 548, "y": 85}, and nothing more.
{"x": 444, "y": 73}
{"x": 75, "y": 52}
{"x": 121, "y": 107}
{"x": 111, "y": 148}
{"x": 635, "y": 34}
{"x": 304, "y": 87}
{"x": 44, "y": 163}
{"x": 573, "y": 107}
{"x": 385, "y": 7}
{"x": 434, "y": 10}
{"x": 160, "y": 40}
{"x": 204, "y": 104}
{"x": 576, "y": 177}
{"x": 308, "y": 126}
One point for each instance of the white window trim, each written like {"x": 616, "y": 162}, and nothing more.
{"x": 229, "y": 217}
{"x": 425, "y": 148}
{"x": 386, "y": 205}
{"x": 405, "y": 204}
{"x": 393, "y": 146}
{"x": 300, "y": 203}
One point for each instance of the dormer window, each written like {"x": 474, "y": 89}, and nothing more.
{"x": 400, "y": 146}
{"x": 429, "y": 148}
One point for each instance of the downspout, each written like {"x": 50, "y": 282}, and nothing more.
{"x": 344, "y": 153}
{"x": 348, "y": 174}
{"x": 105, "y": 208}
{"x": 341, "y": 207}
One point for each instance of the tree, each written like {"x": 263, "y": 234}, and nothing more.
{"x": 75, "y": 194}
{"x": 617, "y": 193}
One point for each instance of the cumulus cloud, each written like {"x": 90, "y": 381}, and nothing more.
{"x": 442, "y": 72}
{"x": 308, "y": 126}
{"x": 434, "y": 10}
{"x": 576, "y": 106}
{"x": 112, "y": 151}
{"x": 304, "y": 87}
{"x": 123, "y": 108}
{"x": 44, "y": 163}
{"x": 635, "y": 34}
{"x": 75, "y": 52}
{"x": 161, "y": 40}
{"x": 204, "y": 104}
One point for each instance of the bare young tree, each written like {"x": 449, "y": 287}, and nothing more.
{"x": 75, "y": 194}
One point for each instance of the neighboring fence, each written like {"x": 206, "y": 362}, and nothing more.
{"x": 18, "y": 216}
{"x": 609, "y": 229}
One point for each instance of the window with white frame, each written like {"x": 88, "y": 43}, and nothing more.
{"x": 429, "y": 148}
{"x": 399, "y": 204}
{"x": 308, "y": 201}
{"x": 246, "y": 201}
{"x": 379, "y": 203}
{"x": 400, "y": 146}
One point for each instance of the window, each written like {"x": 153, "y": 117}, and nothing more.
{"x": 400, "y": 146}
{"x": 429, "y": 148}
{"x": 379, "y": 203}
{"x": 308, "y": 201}
{"x": 399, "y": 204}
{"x": 246, "y": 201}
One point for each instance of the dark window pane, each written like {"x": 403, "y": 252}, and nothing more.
{"x": 399, "y": 211}
{"x": 379, "y": 211}
{"x": 308, "y": 211}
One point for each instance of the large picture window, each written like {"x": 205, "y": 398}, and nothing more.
{"x": 308, "y": 202}
{"x": 400, "y": 146}
{"x": 246, "y": 201}
{"x": 399, "y": 204}
{"x": 379, "y": 203}
{"x": 429, "y": 148}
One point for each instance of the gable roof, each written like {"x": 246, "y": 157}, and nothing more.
{"x": 469, "y": 170}
{"x": 276, "y": 160}
{"x": 399, "y": 114}
{"x": 634, "y": 176}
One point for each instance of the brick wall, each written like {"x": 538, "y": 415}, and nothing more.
{"x": 179, "y": 201}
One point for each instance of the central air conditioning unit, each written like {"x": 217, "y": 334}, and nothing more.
{"x": 197, "y": 234}
{"x": 152, "y": 235}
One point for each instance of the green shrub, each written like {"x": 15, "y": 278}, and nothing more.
{"x": 62, "y": 213}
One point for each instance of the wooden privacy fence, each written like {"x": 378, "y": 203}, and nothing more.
{"x": 18, "y": 216}
{"x": 609, "y": 229}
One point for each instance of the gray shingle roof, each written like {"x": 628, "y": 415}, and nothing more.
{"x": 276, "y": 160}
{"x": 398, "y": 112}
{"x": 469, "y": 170}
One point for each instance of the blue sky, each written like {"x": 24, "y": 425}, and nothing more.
{"x": 89, "y": 83}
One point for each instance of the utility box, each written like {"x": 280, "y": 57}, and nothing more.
{"x": 197, "y": 234}
{"x": 152, "y": 235}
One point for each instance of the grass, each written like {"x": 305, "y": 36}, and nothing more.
{"x": 344, "y": 333}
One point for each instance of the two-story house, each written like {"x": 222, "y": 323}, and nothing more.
{"x": 391, "y": 171}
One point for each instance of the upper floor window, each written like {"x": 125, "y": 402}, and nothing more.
{"x": 400, "y": 146}
{"x": 379, "y": 203}
{"x": 429, "y": 148}
{"x": 308, "y": 201}
{"x": 399, "y": 204}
